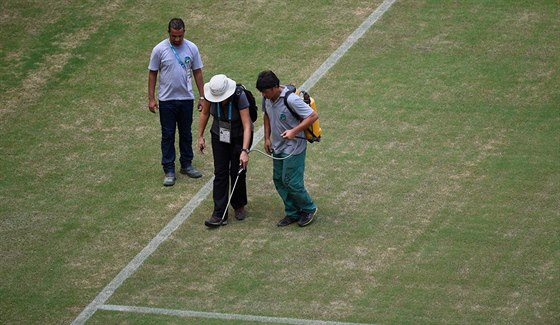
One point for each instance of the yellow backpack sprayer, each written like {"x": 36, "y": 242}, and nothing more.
{"x": 313, "y": 133}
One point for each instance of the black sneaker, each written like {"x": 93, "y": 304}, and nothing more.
{"x": 215, "y": 221}
{"x": 286, "y": 221}
{"x": 307, "y": 218}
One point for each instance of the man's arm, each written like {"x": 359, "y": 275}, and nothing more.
{"x": 202, "y": 122}
{"x": 303, "y": 125}
{"x": 267, "y": 141}
{"x": 152, "y": 103}
{"x": 199, "y": 80}
{"x": 246, "y": 122}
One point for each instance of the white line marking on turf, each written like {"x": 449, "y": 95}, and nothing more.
{"x": 342, "y": 49}
{"x": 199, "y": 314}
{"x": 187, "y": 210}
{"x": 137, "y": 261}
{"x": 338, "y": 53}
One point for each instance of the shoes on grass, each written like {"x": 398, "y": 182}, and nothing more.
{"x": 169, "y": 179}
{"x": 286, "y": 221}
{"x": 307, "y": 218}
{"x": 191, "y": 172}
{"x": 240, "y": 214}
{"x": 215, "y": 221}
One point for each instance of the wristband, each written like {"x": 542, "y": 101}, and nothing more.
{"x": 245, "y": 150}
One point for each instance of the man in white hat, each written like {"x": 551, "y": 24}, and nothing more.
{"x": 178, "y": 61}
{"x": 232, "y": 135}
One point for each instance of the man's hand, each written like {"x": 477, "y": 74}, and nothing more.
{"x": 152, "y": 105}
{"x": 289, "y": 134}
{"x": 268, "y": 146}
{"x": 201, "y": 144}
{"x": 243, "y": 159}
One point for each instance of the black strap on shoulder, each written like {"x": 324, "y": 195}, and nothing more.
{"x": 238, "y": 91}
{"x": 288, "y": 93}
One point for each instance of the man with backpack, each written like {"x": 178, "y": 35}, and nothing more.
{"x": 284, "y": 138}
{"x": 232, "y": 135}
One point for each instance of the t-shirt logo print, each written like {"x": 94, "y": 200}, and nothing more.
{"x": 282, "y": 117}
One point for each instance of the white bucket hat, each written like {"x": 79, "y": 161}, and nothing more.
{"x": 219, "y": 88}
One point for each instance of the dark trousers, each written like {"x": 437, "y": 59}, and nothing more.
{"x": 176, "y": 114}
{"x": 226, "y": 167}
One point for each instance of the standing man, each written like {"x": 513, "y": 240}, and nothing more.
{"x": 177, "y": 60}
{"x": 284, "y": 138}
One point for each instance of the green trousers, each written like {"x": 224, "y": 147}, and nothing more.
{"x": 287, "y": 175}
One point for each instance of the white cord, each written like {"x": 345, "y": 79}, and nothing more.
{"x": 277, "y": 158}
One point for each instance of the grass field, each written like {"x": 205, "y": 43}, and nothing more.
{"x": 437, "y": 179}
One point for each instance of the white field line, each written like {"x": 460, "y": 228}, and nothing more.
{"x": 186, "y": 211}
{"x": 139, "y": 259}
{"x": 199, "y": 314}
{"x": 342, "y": 49}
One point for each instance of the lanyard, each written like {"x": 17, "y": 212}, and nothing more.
{"x": 219, "y": 109}
{"x": 177, "y": 56}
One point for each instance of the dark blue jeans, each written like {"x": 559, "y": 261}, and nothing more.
{"x": 176, "y": 114}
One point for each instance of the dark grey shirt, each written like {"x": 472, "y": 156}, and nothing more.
{"x": 236, "y": 125}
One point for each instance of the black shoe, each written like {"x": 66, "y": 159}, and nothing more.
{"x": 307, "y": 218}
{"x": 215, "y": 221}
{"x": 169, "y": 179}
{"x": 240, "y": 214}
{"x": 286, "y": 221}
{"x": 191, "y": 172}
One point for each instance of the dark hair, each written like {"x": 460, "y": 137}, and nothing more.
{"x": 266, "y": 80}
{"x": 176, "y": 23}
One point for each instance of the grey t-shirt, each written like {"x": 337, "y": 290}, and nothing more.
{"x": 175, "y": 80}
{"x": 281, "y": 119}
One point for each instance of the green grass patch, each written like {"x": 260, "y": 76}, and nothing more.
{"x": 437, "y": 178}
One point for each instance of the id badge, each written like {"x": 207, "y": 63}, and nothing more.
{"x": 225, "y": 132}
{"x": 188, "y": 66}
